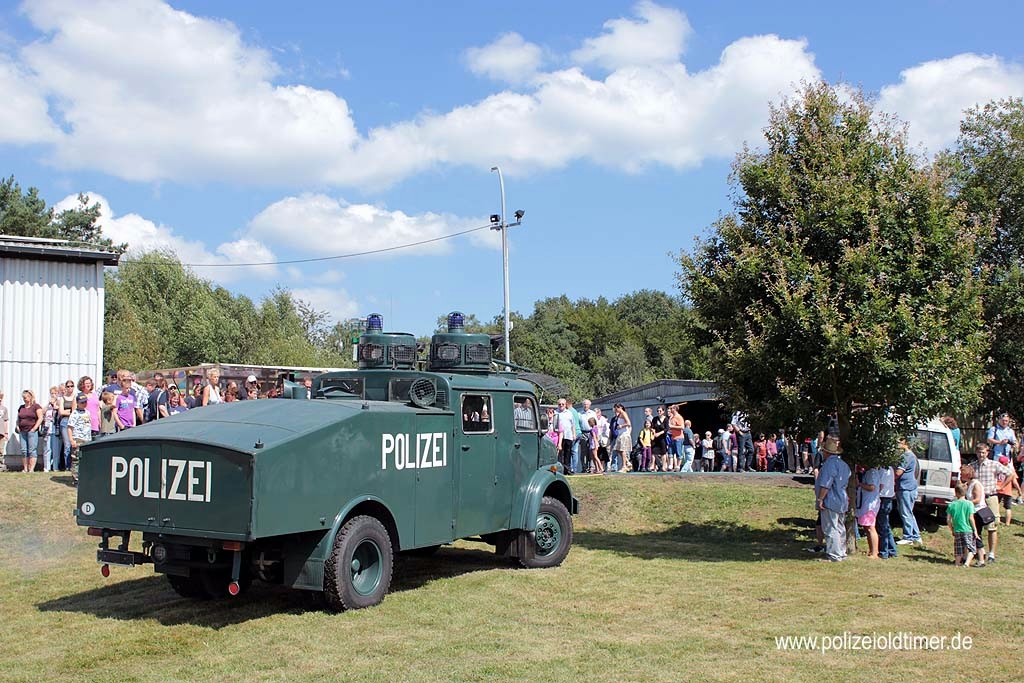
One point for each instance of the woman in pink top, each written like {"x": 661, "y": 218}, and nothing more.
{"x": 92, "y": 405}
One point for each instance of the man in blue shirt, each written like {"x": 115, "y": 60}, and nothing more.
{"x": 906, "y": 494}
{"x": 830, "y": 489}
{"x": 1001, "y": 438}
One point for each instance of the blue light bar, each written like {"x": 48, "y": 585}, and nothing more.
{"x": 456, "y": 321}
{"x": 375, "y": 322}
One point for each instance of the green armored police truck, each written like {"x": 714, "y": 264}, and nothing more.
{"x": 320, "y": 494}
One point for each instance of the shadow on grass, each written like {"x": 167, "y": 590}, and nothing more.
{"x": 928, "y": 555}
{"x": 710, "y": 541}
{"x": 151, "y": 597}
{"x": 63, "y": 479}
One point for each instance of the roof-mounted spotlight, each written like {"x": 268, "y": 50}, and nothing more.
{"x": 519, "y": 214}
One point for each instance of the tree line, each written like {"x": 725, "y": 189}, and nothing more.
{"x": 597, "y": 347}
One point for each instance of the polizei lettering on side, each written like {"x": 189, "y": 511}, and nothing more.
{"x": 166, "y": 479}
{"x": 414, "y": 451}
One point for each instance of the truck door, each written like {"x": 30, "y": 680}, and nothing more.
{"x": 434, "y": 479}
{"x": 477, "y": 509}
{"x": 524, "y": 448}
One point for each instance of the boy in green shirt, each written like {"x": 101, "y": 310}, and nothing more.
{"x": 960, "y": 519}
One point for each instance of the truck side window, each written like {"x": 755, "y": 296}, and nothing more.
{"x": 525, "y": 414}
{"x": 476, "y": 413}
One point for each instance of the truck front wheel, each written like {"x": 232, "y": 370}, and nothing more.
{"x": 549, "y": 544}
{"x": 358, "y": 572}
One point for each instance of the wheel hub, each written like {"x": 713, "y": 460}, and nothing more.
{"x": 366, "y": 567}
{"x": 548, "y": 534}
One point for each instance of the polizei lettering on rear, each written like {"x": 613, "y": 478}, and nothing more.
{"x": 414, "y": 451}
{"x": 167, "y": 479}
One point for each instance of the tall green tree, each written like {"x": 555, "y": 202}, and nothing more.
{"x": 988, "y": 178}
{"x": 26, "y": 214}
{"x": 842, "y": 282}
{"x": 160, "y": 314}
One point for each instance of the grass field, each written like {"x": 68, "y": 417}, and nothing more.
{"x": 669, "y": 579}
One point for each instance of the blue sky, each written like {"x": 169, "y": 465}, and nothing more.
{"x": 260, "y": 132}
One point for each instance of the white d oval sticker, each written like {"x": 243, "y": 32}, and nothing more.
{"x": 88, "y": 508}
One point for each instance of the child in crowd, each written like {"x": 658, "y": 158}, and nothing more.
{"x": 1007, "y": 488}
{"x": 960, "y": 518}
{"x": 124, "y": 406}
{"x": 868, "y": 502}
{"x": 646, "y": 439}
{"x": 597, "y": 467}
{"x": 79, "y": 432}
{"x": 108, "y": 421}
{"x": 553, "y": 428}
{"x": 761, "y": 452}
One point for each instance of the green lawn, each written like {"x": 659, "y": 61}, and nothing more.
{"x": 669, "y": 579}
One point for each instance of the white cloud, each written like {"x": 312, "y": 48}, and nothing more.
{"x": 150, "y": 93}
{"x": 658, "y": 36}
{"x": 509, "y": 58}
{"x": 336, "y": 302}
{"x": 634, "y": 117}
{"x": 932, "y": 96}
{"x": 143, "y": 235}
{"x": 23, "y": 115}
{"x": 146, "y": 92}
{"x": 329, "y": 226}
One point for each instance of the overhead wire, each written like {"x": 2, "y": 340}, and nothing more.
{"x": 339, "y": 256}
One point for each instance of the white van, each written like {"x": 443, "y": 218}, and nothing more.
{"x": 940, "y": 465}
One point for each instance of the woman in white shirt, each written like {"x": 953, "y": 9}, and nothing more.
{"x": 211, "y": 392}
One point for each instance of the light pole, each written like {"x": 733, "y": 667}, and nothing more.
{"x": 498, "y": 223}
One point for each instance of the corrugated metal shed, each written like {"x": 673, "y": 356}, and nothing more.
{"x": 51, "y": 315}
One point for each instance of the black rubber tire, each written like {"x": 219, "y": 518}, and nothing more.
{"x": 358, "y": 572}
{"x": 188, "y": 586}
{"x": 550, "y": 543}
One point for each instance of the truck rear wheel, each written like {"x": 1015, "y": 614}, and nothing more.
{"x": 550, "y": 543}
{"x": 358, "y": 572}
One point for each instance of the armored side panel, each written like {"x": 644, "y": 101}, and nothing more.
{"x": 389, "y": 453}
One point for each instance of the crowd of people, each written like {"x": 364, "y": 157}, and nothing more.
{"x": 987, "y": 488}
{"x": 78, "y": 412}
{"x": 588, "y": 441}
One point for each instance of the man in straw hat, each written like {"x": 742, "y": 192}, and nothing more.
{"x": 830, "y": 489}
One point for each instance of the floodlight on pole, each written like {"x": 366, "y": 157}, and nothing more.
{"x": 498, "y": 223}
